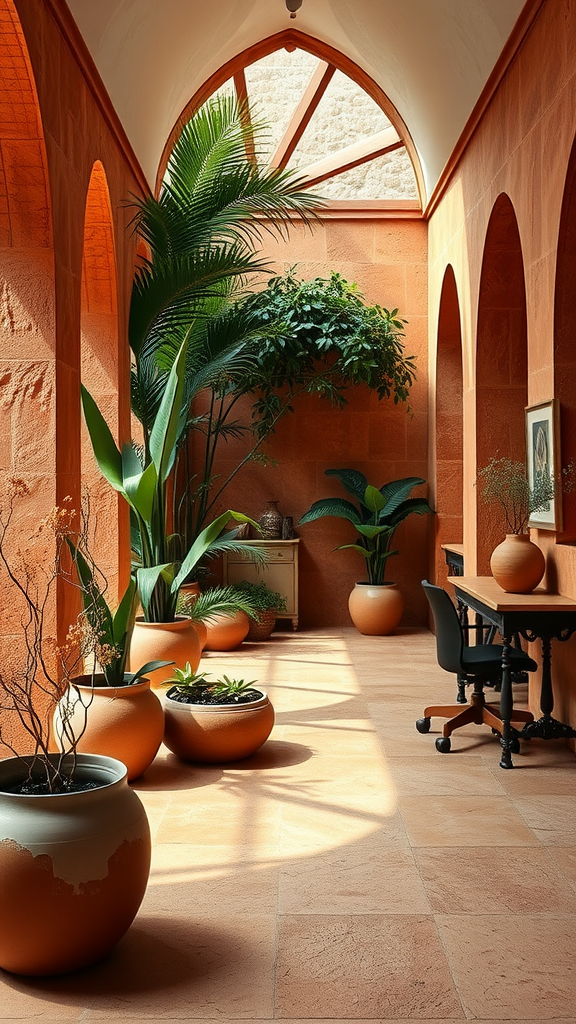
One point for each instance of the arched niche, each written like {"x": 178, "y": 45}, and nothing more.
{"x": 449, "y": 425}
{"x": 565, "y": 338}
{"x": 501, "y": 362}
{"x": 27, "y": 334}
{"x": 99, "y": 362}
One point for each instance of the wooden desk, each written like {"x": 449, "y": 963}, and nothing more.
{"x": 534, "y": 616}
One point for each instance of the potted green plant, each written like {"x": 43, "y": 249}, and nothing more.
{"x": 375, "y": 605}
{"x": 517, "y": 564}
{"x": 160, "y": 634}
{"x": 219, "y": 613}
{"x": 118, "y": 715}
{"x": 215, "y": 722}
{"x": 74, "y": 838}
{"x": 266, "y": 604}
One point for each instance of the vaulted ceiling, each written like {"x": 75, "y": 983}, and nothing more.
{"x": 432, "y": 58}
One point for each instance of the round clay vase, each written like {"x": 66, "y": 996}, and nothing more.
{"x": 164, "y": 641}
{"x": 517, "y": 564}
{"x": 217, "y": 733}
{"x": 126, "y": 722}
{"x": 225, "y": 631}
{"x": 376, "y": 610}
{"x": 73, "y": 867}
{"x": 262, "y": 627}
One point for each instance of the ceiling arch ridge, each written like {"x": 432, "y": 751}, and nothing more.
{"x": 292, "y": 39}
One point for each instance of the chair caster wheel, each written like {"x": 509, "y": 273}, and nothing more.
{"x": 423, "y": 725}
{"x": 443, "y": 744}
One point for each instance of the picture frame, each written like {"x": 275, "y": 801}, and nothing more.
{"x": 543, "y": 456}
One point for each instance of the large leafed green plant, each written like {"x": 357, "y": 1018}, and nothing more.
{"x": 375, "y": 517}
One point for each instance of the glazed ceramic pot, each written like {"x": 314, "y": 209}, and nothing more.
{"x": 164, "y": 641}
{"x": 126, "y": 722}
{"x": 217, "y": 733}
{"x": 270, "y": 521}
{"x": 73, "y": 868}
{"x": 262, "y": 627}
{"x": 376, "y": 610}
{"x": 517, "y": 564}
{"x": 225, "y": 631}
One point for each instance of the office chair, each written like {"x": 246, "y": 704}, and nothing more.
{"x": 478, "y": 665}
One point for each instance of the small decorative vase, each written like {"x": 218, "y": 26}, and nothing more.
{"x": 270, "y": 522}
{"x": 164, "y": 641}
{"x": 226, "y": 630}
{"x": 73, "y": 867}
{"x": 517, "y": 564}
{"x": 125, "y": 722}
{"x": 376, "y": 610}
{"x": 217, "y": 733}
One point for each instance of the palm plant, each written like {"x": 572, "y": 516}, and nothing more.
{"x": 376, "y": 516}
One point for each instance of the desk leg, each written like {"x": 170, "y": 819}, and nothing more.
{"x": 547, "y": 728}
{"x": 506, "y": 706}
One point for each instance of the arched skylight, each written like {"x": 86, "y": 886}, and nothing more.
{"x": 321, "y": 122}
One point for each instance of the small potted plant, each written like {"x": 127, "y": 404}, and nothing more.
{"x": 118, "y": 714}
{"x": 375, "y": 605}
{"x": 517, "y": 564}
{"x": 74, "y": 838}
{"x": 266, "y": 604}
{"x": 215, "y": 722}
{"x": 221, "y": 616}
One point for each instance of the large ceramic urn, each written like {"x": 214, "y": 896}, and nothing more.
{"x": 175, "y": 642}
{"x": 376, "y": 610}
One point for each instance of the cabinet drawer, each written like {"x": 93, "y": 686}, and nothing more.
{"x": 274, "y": 553}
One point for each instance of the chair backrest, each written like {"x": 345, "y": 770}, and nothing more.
{"x": 449, "y": 636}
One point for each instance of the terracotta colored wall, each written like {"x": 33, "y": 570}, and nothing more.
{"x": 387, "y": 259}
{"x": 52, "y": 132}
{"x": 521, "y": 149}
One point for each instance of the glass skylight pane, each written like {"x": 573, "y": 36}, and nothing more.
{"x": 345, "y": 115}
{"x": 275, "y": 87}
{"x": 387, "y": 177}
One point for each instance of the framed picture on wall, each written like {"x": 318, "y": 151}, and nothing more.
{"x": 543, "y": 461}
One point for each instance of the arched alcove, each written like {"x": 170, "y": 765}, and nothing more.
{"x": 27, "y": 336}
{"x": 564, "y": 337}
{"x": 449, "y": 425}
{"x": 501, "y": 361}
{"x": 99, "y": 361}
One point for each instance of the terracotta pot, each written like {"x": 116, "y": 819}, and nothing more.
{"x": 73, "y": 868}
{"x": 164, "y": 641}
{"x": 217, "y": 733}
{"x": 263, "y": 627}
{"x": 517, "y": 564}
{"x": 376, "y": 610}
{"x": 126, "y": 722}
{"x": 226, "y": 631}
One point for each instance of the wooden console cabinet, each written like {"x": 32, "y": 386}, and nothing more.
{"x": 280, "y": 572}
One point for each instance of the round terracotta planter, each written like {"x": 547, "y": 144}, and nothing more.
{"x": 126, "y": 722}
{"x": 73, "y": 868}
{"x": 263, "y": 627}
{"x": 226, "y": 631}
{"x": 376, "y": 610}
{"x": 217, "y": 733}
{"x": 164, "y": 641}
{"x": 517, "y": 564}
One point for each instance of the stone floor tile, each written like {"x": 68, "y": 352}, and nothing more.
{"x": 551, "y": 818}
{"x": 366, "y": 966}
{"x": 494, "y": 880}
{"x": 564, "y": 857}
{"x": 504, "y": 971}
{"x": 359, "y": 878}
{"x": 464, "y": 821}
{"x": 430, "y": 774}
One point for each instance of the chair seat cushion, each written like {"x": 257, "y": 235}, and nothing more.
{"x": 486, "y": 660}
